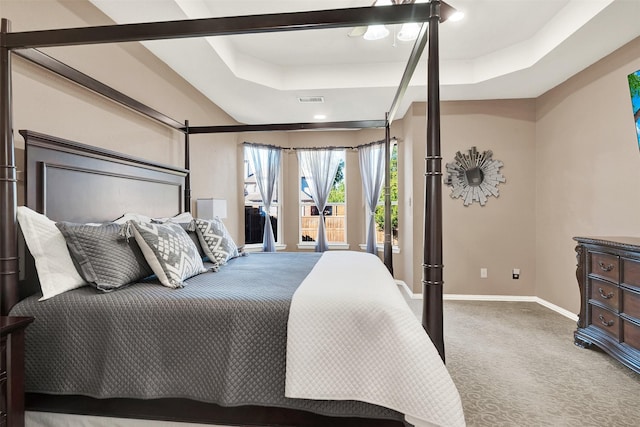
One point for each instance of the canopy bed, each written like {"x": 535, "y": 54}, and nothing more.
{"x": 56, "y": 168}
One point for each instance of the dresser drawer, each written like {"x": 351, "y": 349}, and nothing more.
{"x": 630, "y": 333}
{"x": 606, "y": 266}
{"x": 606, "y": 321}
{"x": 630, "y": 272}
{"x": 631, "y": 303}
{"x": 605, "y": 293}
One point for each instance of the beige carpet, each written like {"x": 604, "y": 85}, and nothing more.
{"x": 515, "y": 364}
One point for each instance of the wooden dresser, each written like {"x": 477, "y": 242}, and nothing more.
{"x": 12, "y": 370}
{"x": 608, "y": 275}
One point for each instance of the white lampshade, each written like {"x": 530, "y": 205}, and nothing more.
{"x": 376, "y": 32}
{"x": 211, "y": 208}
{"x": 409, "y": 32}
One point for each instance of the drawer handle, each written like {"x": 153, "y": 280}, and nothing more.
{"x": 605, "y": 322}
{"x": 604, "y": 267}
{"x": 603, "y": 295}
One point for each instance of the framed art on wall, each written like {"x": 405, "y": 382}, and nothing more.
{"x": 634, "y": 89}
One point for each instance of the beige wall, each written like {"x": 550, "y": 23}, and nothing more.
{"x": 587, "y": 169}
{"x": 498, "y": 236}
{"x": 407, "y": 238}
{"x": 49, "y": 104}
{"x": 572, "y": 167}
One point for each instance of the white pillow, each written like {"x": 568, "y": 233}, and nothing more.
{"x": 56, "y": 271}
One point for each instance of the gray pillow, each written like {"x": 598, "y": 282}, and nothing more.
{"x": 104, "y": 258}
{"x": 170, "y": 252}
{"x": 216, "y": 240}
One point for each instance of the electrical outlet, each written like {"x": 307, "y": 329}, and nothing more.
{"x": 483, "y": 273}
{"x": 515, "y": 273}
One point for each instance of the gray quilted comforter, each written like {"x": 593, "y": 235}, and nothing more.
{"x": 221, "y": 339}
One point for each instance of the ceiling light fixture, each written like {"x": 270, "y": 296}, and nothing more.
{"x": 458, "y": 15}
{"x": 409, "y": 32}
{"x": 320, "y": 116}
{"x": 376, "y": 32}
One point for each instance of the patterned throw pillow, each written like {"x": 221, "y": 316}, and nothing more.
{"x": 184, "y": 219}
{"x": 103, "y": 257}
{"x": 170, "y": 252}
{"x": 215, "y": 240}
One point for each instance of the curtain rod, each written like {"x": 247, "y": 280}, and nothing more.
{"x": 258, "y": 144}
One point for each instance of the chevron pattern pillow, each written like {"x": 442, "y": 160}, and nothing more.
{"x": 216, "y": 240}
{"x": 170, "y": 252}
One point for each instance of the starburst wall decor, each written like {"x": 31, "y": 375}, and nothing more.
{"x": 474, "y": 176}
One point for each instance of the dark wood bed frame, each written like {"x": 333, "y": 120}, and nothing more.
{"x": 53, "y": 166}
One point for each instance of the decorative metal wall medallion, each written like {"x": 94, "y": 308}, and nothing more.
{"x": 474, "y": 176}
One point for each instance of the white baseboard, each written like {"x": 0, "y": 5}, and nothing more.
{"x": 557, "y": 309}
{"x": 408, "y": 291}
{"x": 512, "y": 298}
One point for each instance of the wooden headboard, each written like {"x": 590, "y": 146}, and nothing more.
{"x": 69, "y": 181}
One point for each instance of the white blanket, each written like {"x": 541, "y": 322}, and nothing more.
{"x": 351, "y": 336}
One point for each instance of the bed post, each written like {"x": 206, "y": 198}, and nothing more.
{"x": 432, "y": 264}
{"x": 8, "y": 187}
{"x": 387, "y": 248}
{"x": 187, "y": 179}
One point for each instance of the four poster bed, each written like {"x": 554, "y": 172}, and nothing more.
{"x": 268, "y": 317}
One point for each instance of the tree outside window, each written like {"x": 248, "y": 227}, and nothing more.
{"x": 379, "y": 215}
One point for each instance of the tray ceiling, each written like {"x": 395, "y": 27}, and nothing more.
{"x": 501, "y": 49}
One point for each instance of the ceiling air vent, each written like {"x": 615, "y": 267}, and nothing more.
{"x": 311, "y": 99}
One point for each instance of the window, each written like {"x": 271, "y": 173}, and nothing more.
{"x": 394, "y": 201}
{"x": 254, "y": 212}
{"x": 335, "y": 212}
